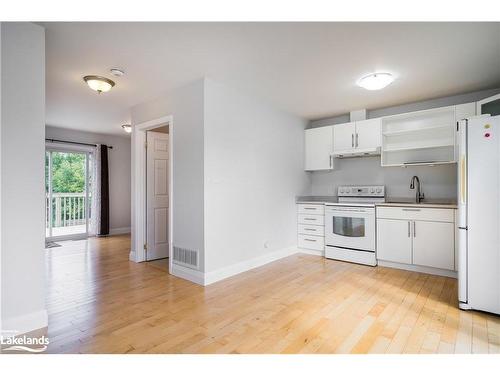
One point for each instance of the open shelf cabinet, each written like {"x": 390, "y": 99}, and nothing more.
{"x": 419, "y": 138}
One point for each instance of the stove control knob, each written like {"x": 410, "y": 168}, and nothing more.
{"x": 379, "y": 190}
{"x": 341, "y": 191}
{"x": 347, "y": 190}
{"x": 372, "y": 190}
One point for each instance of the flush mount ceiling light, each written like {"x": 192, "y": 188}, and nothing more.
{"x": 127, "y": 128}
{"x": 99, "y": 84}
{"x": 375, "y": 81}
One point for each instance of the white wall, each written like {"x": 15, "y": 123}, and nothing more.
{"x": 253, "y": 171}
{"x": 185, "y": 104}
{"x": 22, "y": 170}
{"x": 119, "y": 171}
{"x": 438, "y": 182}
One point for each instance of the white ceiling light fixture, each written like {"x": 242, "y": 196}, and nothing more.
{"x": 375, "y": 81}
{"x": 127, "y": 128}
{"x": 98, "y": 83}
{"x": 117, "y": 72}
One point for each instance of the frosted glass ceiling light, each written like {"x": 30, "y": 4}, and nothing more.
{"x": 99, "y": 84}
{"x": 376, "y": 81}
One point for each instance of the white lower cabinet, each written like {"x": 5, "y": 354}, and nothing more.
{"x": 393, "y": 240}
{"x": 433, "y": 244}
{"x": 311, "y": 226}
{"x": 418, "y": 237}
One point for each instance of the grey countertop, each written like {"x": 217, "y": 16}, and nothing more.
{"x": 390, "y": 202}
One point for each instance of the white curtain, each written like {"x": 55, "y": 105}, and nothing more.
{"x": 95, "y": 222}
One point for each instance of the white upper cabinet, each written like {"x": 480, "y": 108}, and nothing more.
{"x": 463, "y": 111}
{"x": 423, "y": 137}
{"x": 343, "y": 137}
{"x": 367, "y": 135}
{"x": 356, "y": 138}
{"x": 319, "y": 149}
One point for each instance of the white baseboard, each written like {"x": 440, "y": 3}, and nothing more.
{"x": 115, "y": 231}
{"x": 320, "y": 253}
{"x": 422, "y": 269}
{"x": 25, "y": 323}
{"x": 223, "y": 273}
{"x": 131, "y": 256}
{"x": 189, "y": 274}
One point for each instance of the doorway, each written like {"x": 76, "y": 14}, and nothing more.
{"x": 141, "y": 244}
{"x": 67, "y": 193}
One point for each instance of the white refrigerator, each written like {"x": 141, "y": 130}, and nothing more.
{"x": 478, "y": 217}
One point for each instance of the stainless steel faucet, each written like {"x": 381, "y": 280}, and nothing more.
{"x": 419, "y": 196}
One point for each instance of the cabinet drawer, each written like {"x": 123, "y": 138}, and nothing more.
{"x": 312, "y": 230}
{"x": 311, "y": 219}
{"x": 311, "y": 242}
{"x": 416, "y": 213}
{"x": 308, "y": 209}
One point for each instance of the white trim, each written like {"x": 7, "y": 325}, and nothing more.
{"x": 60, "y": 146}
{"x": 139, "y": 186}
{"x": 235, "y": 269}
{"x": 25, "y": 323}
{"x": 131, "y": 256}
{"x": 415, "y": 268}
{"x": 189, "y": 274}
{"x": 320, "y": 253}
{"x": 116, "y": 231}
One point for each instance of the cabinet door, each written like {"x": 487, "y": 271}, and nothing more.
{"x": 463, "y": 111}
{"x": 394, "y": 240}
{"x": 434, "y": 244}
{"x": 343, "y": 138}
{"x": 318, "y": 148}
{"x": 368, "y": 134}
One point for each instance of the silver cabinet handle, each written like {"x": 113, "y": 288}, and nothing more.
{"x": 307, "y": 239}
{"x": 408, "y": 229}
{"x": 414, "y": 229}
{"x": 310, "y": 208}
{"x": 310, "y": 219}
{"x": 411, "y": 209}
{"x": 310, "y": 229}
{"x": 357, "y": 139}
{"x": 331, "y": 161}
{"x": 352, "y": 140}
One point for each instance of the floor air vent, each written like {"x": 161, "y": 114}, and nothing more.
{"x": 185, "y": 257}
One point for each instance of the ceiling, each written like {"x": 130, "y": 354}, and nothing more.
{"x": 308, "y": 69}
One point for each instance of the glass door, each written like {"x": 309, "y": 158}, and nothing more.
{"x": 67, "y": 194}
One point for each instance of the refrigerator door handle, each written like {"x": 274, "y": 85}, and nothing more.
{"x": 463, "y": 178}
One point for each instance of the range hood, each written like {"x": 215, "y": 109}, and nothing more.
{"x": 356, "y": 153}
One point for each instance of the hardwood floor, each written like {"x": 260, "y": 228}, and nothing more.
{"x": 99, "y": 302}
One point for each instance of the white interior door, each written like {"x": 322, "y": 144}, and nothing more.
{"x": 157, "y": 195}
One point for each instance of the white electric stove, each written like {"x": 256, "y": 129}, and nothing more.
{"x": 350, "y": 224}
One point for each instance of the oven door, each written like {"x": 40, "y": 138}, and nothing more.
{"x": 350, "y": 227}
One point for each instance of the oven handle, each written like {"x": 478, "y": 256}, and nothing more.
{"x": 330, "y": 209}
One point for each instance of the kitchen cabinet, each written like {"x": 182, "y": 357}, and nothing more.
{"x": 311, "y": 227}
{"x": 368, "y": 135}
{"x": 421, "y": 237}
{"x": 433, "y": 244}
{"x": 343, "y": 137}
{"x": 319, "y": 149}
{"x": 394, "y": 240}
{"x": 357, "y": 138}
